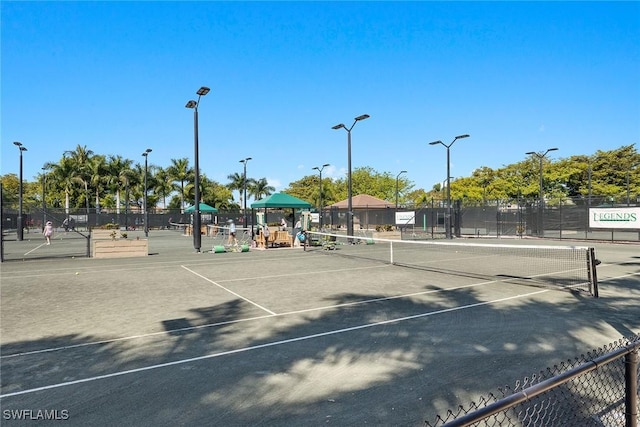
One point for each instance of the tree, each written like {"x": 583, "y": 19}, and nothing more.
{"x": 305, "y": 188}
{"x": 180, "y": 171}
{"x": 237, "y": 183}
{"x": 163, "y": 185}
{"x": 62, "y": 174}
{"x": 260, "y": 188}
{"x": 97, "y": 168}
{"x": 81, "y": 158}
{"x": 118, "y": 175}
{"x": 215, "y": 194}
{"x": 10, "y": 189}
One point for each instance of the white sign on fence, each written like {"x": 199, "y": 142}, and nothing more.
{"x": 405, "y": 218}
{"x": 614, "y": 218}
{"x": 80, "y": 219}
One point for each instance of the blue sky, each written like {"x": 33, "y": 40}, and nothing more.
{"x": 516, "y": 76}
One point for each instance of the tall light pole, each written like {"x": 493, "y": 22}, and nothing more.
{"x": 197, "y": 238}
{"x": 397, "y": 189}
{"x": 540, "y": 157}
{"x": 20, "y": 223}
{"x": 447, "y": 217}
{"x": 319, "y": 169}
{"x": 146, "y": 211}
{"x": 244, "y": 189}
{"x": 349, "y": 188}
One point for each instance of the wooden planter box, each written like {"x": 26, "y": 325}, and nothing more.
{"x": 119, "y": 248}
{"x": 101, "y": 234}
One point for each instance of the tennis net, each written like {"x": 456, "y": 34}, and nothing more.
{"x": 559, "y": 267}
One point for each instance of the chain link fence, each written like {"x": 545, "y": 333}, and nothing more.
{"x": 562, "y": 219}
{"x": 599, "y": 389}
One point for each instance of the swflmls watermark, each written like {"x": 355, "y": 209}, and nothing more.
{"x": 35, "y": 414}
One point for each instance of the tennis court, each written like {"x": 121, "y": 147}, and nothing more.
{"x": 287, "y": 336}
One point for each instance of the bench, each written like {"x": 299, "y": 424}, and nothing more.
{"x": 280, "y": 238}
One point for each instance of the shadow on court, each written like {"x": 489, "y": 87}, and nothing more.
{"x": 385, "y": 362}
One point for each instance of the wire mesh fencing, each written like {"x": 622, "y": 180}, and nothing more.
{"x": 596, "y": 389}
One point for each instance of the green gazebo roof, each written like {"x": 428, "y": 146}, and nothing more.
{"x": 281, "y": 200}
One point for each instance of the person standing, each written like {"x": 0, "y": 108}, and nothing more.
{"x": 232, "y": 233}
{"x": 266, "y": 233}
{"x": 297, "y": 230}
{"x": 48, "y": 231}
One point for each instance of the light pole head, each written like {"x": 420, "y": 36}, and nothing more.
{"x": 316, "y": 168}
{"x": 362, "y": 117}
{"x": 436, "y": 142}
{"x": 462, "y": 136}
{"x": 530, "y": 153}
{"x": 146, "y": 152}
{"x": 19, "y": 144}
{"x": 203, "y": 91}
{"x": 325, "y": 165}
{"x": 23, "y": 148}
{"x": 245, "y": 160}
{"x": 191, "y": 104}
{"x": 338, "y": 126}
{"x": 401, "y": 172}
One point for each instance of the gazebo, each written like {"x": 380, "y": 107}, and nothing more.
{"x": 280, "y": 201}
{"x": 203, "y": 208}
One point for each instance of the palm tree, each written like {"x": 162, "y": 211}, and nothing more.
{"x": 62, "y": 176}
{"x": 260, "y": 188}
{"x": 81, "y": 158}
{"x": 118, "y": 171}
{"x": 97, "y": 176}
{"x": 163, "y": 185}
{"x": 136, "y": 183}
{"x": 180, "y": 171}
{"x": 237, "y": 183}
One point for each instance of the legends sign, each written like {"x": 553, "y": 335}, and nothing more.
{"x": 406, "y": 218}
{"x": 628, "y": 218}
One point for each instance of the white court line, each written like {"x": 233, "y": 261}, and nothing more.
{"x": 228, "y": 290}
{"x": 248, "y": 319}
{"x": 306, "y": 272}
{"x": 230, "y": 322}
{"x": 37, "y": 247}
{"x": 93, "y": 269}
{"x": 265, "y": 345}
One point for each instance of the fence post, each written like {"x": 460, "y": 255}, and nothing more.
{"x": 89, "y": 244}
{"x": 561, "y": 219}
{"x": 631, "y": 388}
